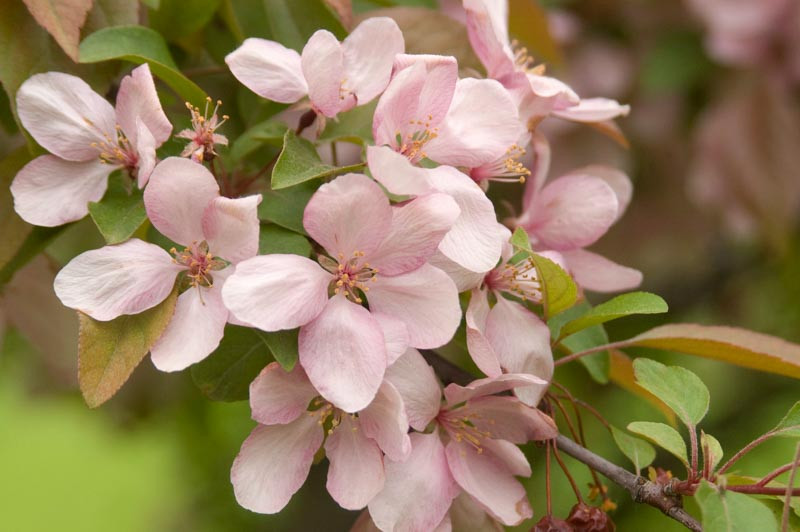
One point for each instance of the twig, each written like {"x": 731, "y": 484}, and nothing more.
{"x": 788, "y": 501}
{"x": 772, "y": 476}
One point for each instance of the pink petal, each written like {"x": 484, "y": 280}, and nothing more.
{"x": 572, "y": 212}
{"x": 278, "y": 397}
{"x": 145, "y": 153}
{"x": 231, "y": 227}
{"x": 195, "y": 329}
{"x": 416, "y": 231}
{"x": 269, "y": 69}
{"x": 490, "y": 481}
{"x": 539, "y": 171}
{"x": 355, "y": 474}
{"x": 176, "y": 198}
{"x": 49, "y": 191}
{"x": 593, "y": 110}
{"x": 369, "y": 53}
{"x": 619, "y": 182}
{"x": 349, "y": 214}
{"x": 506, "y": 418}
{"x": 65, "y": 115}
{"x": 598, "y": 274}
{"x": 511, "y": 456}
{"x": 323, "y": 67}
{"x": 344, "y": 354}
{"x": 476, "y": 239}
{"x": 124, "y": 279}
{"x": 480, "y": 126}
{"x": 487, "y": 28}
{"x": 277, "y": 292}
{"x": 417, "y": 492}
{"x": 463, "y": 278}
{"x": 385, "y": 421}
{"x": 274, "y": 462}
{"x": 137, "y": 99}
{"x": 478, "y": 345}
{"x": 426, "y": 300}
{"x": 455, "y": 393}
{"x": 395, "y": 334}
{"x": 396, "y": 173}
{"x": 416, "y": 382}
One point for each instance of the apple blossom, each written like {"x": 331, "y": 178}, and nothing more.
{"x": 203, "y": 133}
{"x": 376, "y": 252}
{"x": 293, "y": 422}
{"x": 88, "y": 139}
{"x": 183, "y": 203}
{"x": 335, "y": 76}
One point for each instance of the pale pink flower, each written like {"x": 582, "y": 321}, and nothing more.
{"x": 536, "y": 94}
{"x": 275, "y": 459}
{"x": 572, "y": 212}
{"x": 335, "y": 76}
{"x": 472, "y": 448}
{"x": 203, "y": 134}
{"x": 375, "y": 251}
{"x": 465, "y": 514}
{"x": 88, "y": 139}
{"x": 183, "y": 203}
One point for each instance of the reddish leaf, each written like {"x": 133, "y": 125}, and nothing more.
{"x": 63, "y": 19}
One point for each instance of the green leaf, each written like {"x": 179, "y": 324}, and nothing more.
{"x": 268, "y": 132}
{"x": 728, "y": 511}
{"x": 707, "y": 441}
{"x": 789, "y": 426}
{"x": 120, "y": 213}
{"x": 729, "y": 344}
{"x": 138, "y": 44}
{"x": 177, "y": 19}
{"x": 622, "y": 375}
{"x": 662, "y": 435}
{"x": 679, "y": 388}
{"x": 226, "y": 374}
{"x": 622, "y": 305}
{"x": 300, "y": 162}
{"x": 283, "y": 345}
{"x": 637, "y": 450}
{"x": 354, "y": 126}
{"x": 109, "y": 351}
{"x": 285, "y": 207}
{"x": 276, "y": 239}
{"x": 598, "y": 364}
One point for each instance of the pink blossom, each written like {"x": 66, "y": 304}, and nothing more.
{"x": 375, "y": 251}
{"x": 88, "y": 139}
{"x": 472, "y": 449}
{"x": 335, "y": 76}
{"x": 183, "y": 203}
{"x": 203, "y": 134}
{"x": 572, "y": 212}
{"x": 275, "y": 459}
{"x": 536, "y": 94}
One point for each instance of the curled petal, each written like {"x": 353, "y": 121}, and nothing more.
{"x": 231, "y": 227}
{"x": 323, "y": 67}
{"x": 278, "y": 397}
{"x": 269, "y": 69}
{"x": 416, "y": 382}
{"x": 455, "y": 393}
{"x": 396, "y": 173}
{"x": 598, "y": 274}
{"x": 385, "y": 421}
{"x": 145, "y": 153}
{"x": 356, "y": 474}
{"x": 487, "y": 28}
{"x": 480, "y": 349}
{"x": 137, "y": 100}
{"x": 593, "y": 110}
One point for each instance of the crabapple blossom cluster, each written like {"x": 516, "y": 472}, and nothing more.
{"x": 394, "y": 247}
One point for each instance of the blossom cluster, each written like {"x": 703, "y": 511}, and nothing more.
{"x": 395, "y": 247}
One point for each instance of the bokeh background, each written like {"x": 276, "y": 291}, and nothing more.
{"x": 714, "y": 153}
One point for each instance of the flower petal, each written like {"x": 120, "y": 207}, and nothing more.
{"x": 395, "y": 334}
{"x": 418, "y": 492}
{"x": 65, "y": 115}
{"x": 591, "y": 110}
{"x": 489, "y": 480}
{"x": 426, "y": 300}
{"x": 463, "y": 278}
{"x": 476, "y": 239}
{"x": 355, "y": 474}
{"x": 195, "y": 329}
{"x": 455, "y": 393}
{"x": 598, "y": 274}
{"x": 480, "y": 126}
{"x": 478, "y": 345}
{"x": 124, "y": 279}
{"x": 344, "y": 354}
{"x": 396, "y": 173}
{"x": 572, "y": 212}
{"x": 49, "y": 191}
{"x": 176, "y": 198}
{"x": 506, "y": 418}
{"x": 137, "y": 100}
{"x": 323, "y": 67}
{"x": 269, "y": 69}
{"x": 369, "y": 53}
{"x": 385, "y": 421}
{"x": 145, "y": 153}
{"x": 416, "y": 382}
{"x": 274, "y": 462}
{"x": 349, "y": 214}
{"x": 539, "y": 171}
{"x": 278, "y": 397}
{"x": 277, "y": 292}
{"x": 231, "y": 227}
{"x": 487, "y": 28}
{"x": 416, "y": 231}
{"x": 619, "y": 182}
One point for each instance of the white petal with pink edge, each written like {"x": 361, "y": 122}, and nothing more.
{"x": 278, "y": 397}
{"x": 145, "y": 153}
{"x": 124, "y": 279}
{"x": 355, "y": 474}
{"x": 137, "y": 100}
{"x": 322, "y": 62}
{"x": 369, "y": 53}
{"x": 269, "y": 69}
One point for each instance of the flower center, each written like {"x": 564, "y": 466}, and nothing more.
{"x": 199, "y": 263}
{"x": 203, "y": 133}
{"x": 327, "y": 415}
{"x": 506, "y": 169}
{"x": 518, "y": 279}
{"x": 117, "y": 151}
{"x": 524, "y": 61}
{"x": 351, "y": 277}
{"x": 412, "y": 145}
{"x": 460, "y": 426}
